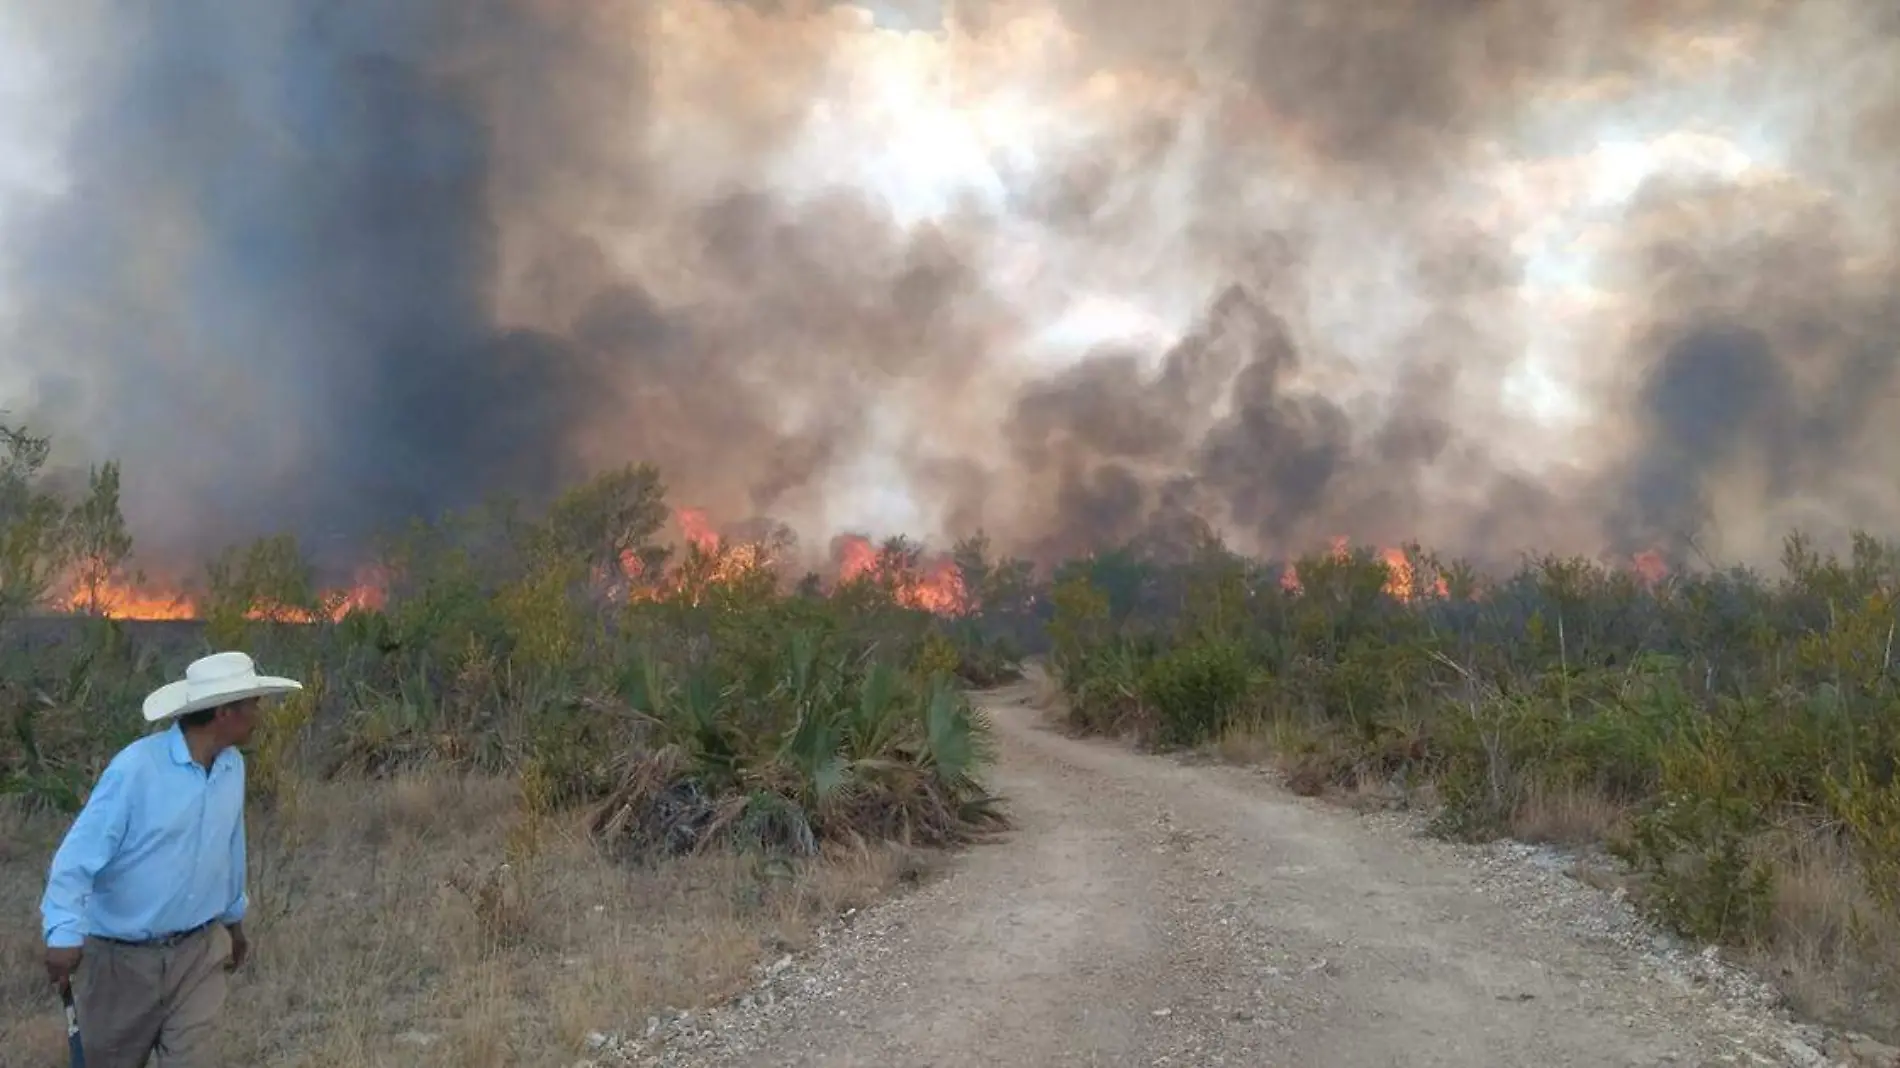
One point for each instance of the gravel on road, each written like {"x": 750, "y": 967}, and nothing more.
{"x": 1149, "y": 911}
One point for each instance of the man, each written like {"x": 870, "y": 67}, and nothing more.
{"x": 147, "y": 890}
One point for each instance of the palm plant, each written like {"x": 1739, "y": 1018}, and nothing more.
{"x": 856, "y": 749}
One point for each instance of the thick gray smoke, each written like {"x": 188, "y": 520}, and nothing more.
{"x": 270, "y": 287}
{"x": 321, "y": 266}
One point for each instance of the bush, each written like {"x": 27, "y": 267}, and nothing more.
{"x": 686, "y": 702}
{"x": 708, "y": 699}
{"x": 1195, "y": 690}
{"x": 1703, "y": 719}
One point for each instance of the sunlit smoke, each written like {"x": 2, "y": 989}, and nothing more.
{"x": 1612, "y": 279}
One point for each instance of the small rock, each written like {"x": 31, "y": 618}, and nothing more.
{"x": 596, "y": 1041}
{"x": 418, "y": 1038}
{"x": 1863, "y": 1052}
{"x": 1164, "y": 1012}
{"x": 1801, "y": 1054}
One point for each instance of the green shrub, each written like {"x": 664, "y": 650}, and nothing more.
{"x": 837, "y": 748}
{"x": 1195, "y": 691}
{"x": 561, "y": 648}
{"x": 1709, "y": 715}
{"x": 1702, "y": 873}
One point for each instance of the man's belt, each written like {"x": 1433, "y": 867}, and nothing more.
{"x": 159, "y": 942}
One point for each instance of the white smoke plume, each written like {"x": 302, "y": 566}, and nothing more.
{"x": 1495, "y": 276}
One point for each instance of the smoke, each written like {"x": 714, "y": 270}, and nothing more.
{"x": 1596, "y": 278}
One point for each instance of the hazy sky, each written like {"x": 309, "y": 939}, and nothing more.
{"x": 843, "y": 268}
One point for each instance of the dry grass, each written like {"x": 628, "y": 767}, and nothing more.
{"x": 1566, "y": 817}
{"x": 1251, "y": 742}
{"x": 1833, "y": 951}
{"x": 1045, "y": 690}
{"x": 387, "y": 931}
{"x": 1829, "y": 946}
{"x": 1306, "y": 764}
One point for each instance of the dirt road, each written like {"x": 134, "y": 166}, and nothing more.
{"x": 1148, "y": 912}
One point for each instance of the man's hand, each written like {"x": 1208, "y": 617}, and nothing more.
{"x": 240, "y": 947}
{"x": 61, "y": 961}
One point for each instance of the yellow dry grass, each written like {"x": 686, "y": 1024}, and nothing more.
{"x": 1830, "y": 947}
{"x": 1250, "y": 741}
{"x": 1044, "y": 689}
{"x": 1566, "y": 817}
{"x": 386, "y": 930}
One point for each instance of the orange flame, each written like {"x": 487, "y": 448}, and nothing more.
{"x": 1403, "y": 583}
{"x": 115, "y": 600}
{"x": 715, "y": 560}
{"x": 698, "y": 529}
{"x": 934, "y": 585}
{"x": 1401, "y": 580}
{"x": 118, "y": 601}
{"x": 711, "y": 560}
{"x": 937, "y": 589}
{"x": 1650, "y": 566}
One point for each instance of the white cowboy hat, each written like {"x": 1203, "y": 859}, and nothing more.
{"x": 218, "y": 679}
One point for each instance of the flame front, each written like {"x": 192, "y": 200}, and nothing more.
{"x": 1650, "y": 566}
{"x": 937, "y": 587}
{"x": 930, "y": 584}
{"x": 122, "y": 601}
{"x": 1401, "y": 579}
{"x": 1402, "y": 582}
{"x": 711, "y": 559}
{"x": 118, "y": 601}
{"x": 699, "y": 530}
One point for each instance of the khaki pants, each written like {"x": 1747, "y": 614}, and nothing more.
{"x": 134, "y": 1001}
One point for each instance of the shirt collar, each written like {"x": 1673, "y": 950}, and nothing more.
{"x": 181, "y": 753}
{"x": 175, "y": 744}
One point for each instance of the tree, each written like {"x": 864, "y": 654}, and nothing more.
{"x": 97, "y": 539}
{"x": 972, "y": 559}
{"x": 609, "y": 522}
{"x": 1001, "y": 589}
{"x": 32, "y": 552}
{"x": 1081, "y": 621}
{"x": 267, "y": 580}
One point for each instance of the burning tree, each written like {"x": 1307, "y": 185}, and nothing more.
{"x": 569, "y": 648}
{"x": 100, "y": 544}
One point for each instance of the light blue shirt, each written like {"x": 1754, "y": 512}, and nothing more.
{"x": 159, "y": 848}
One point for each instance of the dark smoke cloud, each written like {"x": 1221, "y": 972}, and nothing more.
{"x": 1768, "y": 394}
{"x": 280, "y": 255}
{"x": 1760, "y": 390}
{"x": 322, "y": 266}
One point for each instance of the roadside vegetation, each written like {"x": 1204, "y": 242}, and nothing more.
{"x": 1730, "y": 738}
{"x": 558, "y": 775}
{"x": 548, "y": 776}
